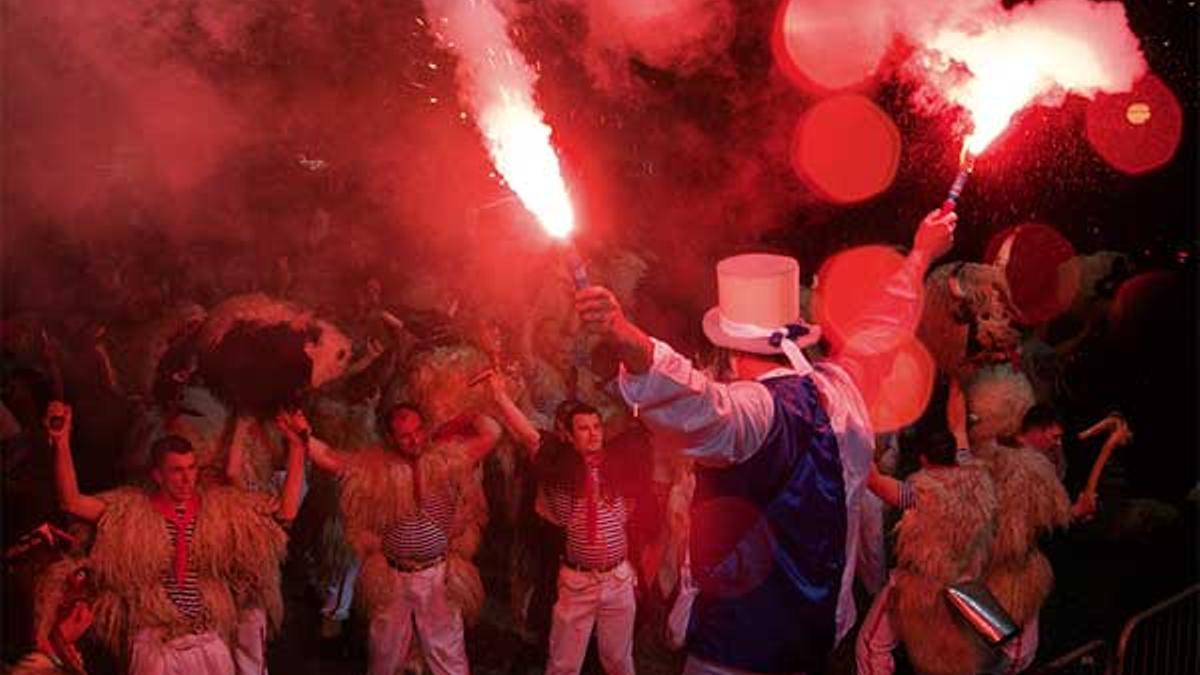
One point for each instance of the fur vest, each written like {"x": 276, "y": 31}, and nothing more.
{"x": 944, "y": 539}
{"x": 377, "y": 490}
{"x": 1032, "y": 503}
{"x": 236, "y": 552}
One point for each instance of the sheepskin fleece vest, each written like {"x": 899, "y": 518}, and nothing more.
{"x": 236, "y": 553}
{"x": 377, "y": 490}
{"x": 1031, "y": 503}
{"x": 943, "y": 539}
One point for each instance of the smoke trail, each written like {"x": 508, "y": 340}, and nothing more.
{"x": 681, "y": 36}
{"x": 1033, "y": 52}
{"x": 497, "y": 85}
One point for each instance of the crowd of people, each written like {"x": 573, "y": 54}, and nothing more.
{"x": 166, "y": 452}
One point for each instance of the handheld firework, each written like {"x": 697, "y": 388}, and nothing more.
{"x": 966, "y": 164}
{"x": 576, "y": 266}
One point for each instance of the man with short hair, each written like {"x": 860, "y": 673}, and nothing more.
{"x": 782, "y": 454}
{"x": 183, "y": 564}
{"x": 586, "y": 495}
{"x": 1042, "y": 430}
{"x": 413, "y": 514}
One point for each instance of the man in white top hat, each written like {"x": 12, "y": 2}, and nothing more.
{"x": 782, "y": 453}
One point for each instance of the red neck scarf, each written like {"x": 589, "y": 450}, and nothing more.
{"x": 181, "y": 520}
{"x": 591, "y": 496}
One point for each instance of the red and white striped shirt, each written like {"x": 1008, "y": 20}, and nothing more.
{"x": 423, "y": 536}
{"x": 568, "y": 508}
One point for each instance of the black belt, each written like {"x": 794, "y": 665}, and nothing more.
{"x": 413, "y": 565}
{"x": 583, "y": 568}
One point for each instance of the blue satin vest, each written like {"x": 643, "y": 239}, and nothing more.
{"x": 769, "y": 544}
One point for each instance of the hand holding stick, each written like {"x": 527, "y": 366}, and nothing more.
{"x": 1119, "y": 434}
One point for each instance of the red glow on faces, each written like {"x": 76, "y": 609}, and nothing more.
{"x": 846, "y": 149}
{"x": 1038, "y": 270}
{"x": 846, "y": 285}
{"x": 1137, "y": 131}
{"x": 897, "y": 385}
{"x": 821, "y": 47}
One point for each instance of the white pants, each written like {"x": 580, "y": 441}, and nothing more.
{"x": 203, "y": 654}
{"x": 339, "y": 595}
{"x": 420, "y": 597}
{"x": 877, "y": 639}
{"x": 250, "y": 652}
{"x": 1021, "y": 650}
{"x": 603, "y": 599}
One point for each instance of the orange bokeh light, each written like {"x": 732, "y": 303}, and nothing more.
{"x": 1037, "y": 265}
{"x": 822, "y": 47}
{"x": 897, "y": 385}
{"x": 847, "y": 283}
{"x": 1137, "y": 131}
{"x": 846, "y": 149}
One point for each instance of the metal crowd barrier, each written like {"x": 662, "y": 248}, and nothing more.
{"x": 1089, "y": 659}
{"x": 1163, "y": 639}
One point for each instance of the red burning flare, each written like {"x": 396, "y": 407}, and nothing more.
{"x": 1033, "y": 54}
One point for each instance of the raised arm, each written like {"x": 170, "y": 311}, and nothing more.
{"x": 512, "y": 417}
{"x": 296, "y": 429}
{"x": 58, "y": 429}
{"x": 893, "y": 492}
{"x": 717, "y": 423}
{"x": 293, "y": 483}
{"x": 1119, "y": 435}
{"x": 893, "y": 314}
{"x": 487, "y": 433}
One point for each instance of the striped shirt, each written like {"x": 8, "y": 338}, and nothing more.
{"x": 568, "y": 508}
{"x": 185, "y": 596}
{"x": 423, "y": 536}
{"x": 908, "y": 496}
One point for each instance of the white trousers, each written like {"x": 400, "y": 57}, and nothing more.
{"x": 250, "y": 651}
{"x": 1021, "y": 650}
{"x": 585, "y": 599}
{"x": 420, "y": 598}
{"x": 877, "y": 639}
{"x": 203, "y": 654}
{"x": 339, "y": 595}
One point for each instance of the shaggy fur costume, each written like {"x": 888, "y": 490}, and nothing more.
{"x": 1089, "y": 282}
{"x": 968, "y": 317}
{"x": 1032, "y": 502}
{"x": 236, "y": 552}
{"x": 944, "y": 539}
{"x": 48, "y": 596}
{"x": 137, "y": 358}
{"x": 377, "y": 490}
{"x": 997, "y": 400}
{"x": 439, "y": 382}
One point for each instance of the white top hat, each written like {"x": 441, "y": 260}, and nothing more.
{"x": 758, "y": 308}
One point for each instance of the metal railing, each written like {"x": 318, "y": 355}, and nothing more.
{"x": 1163, "y": 639}
{"x": 1089, "y": 659}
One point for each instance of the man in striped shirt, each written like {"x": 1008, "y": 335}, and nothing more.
{"x": 159, "y": 552}
{"x": 595, "y": 582}
{"x": 404, "y": 507}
